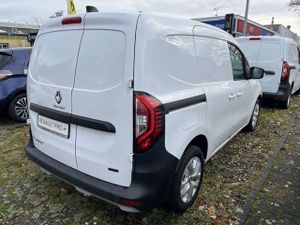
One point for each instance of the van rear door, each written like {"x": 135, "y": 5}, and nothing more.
{"x": 266, "y": 54}
{"x": 102, "y": 98}
{"x": 271, "y": 59}
{"x": 50, "y": 83}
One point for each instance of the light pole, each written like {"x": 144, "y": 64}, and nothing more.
{"x": 246, "y": 18}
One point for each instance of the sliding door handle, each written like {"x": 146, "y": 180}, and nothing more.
{"x": 232, "y": 96}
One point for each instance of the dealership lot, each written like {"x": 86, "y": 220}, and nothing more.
{"x": 27, "y": 196}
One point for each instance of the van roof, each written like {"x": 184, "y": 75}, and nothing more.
{"x": 168, "y": 24}
{"x": 267, "y": 38}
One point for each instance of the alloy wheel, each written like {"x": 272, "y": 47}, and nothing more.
{"x": 191, "y": 179}
{"x": 21, "y": 108}
{"x": 255, "y": 114}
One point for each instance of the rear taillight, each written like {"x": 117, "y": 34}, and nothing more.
{"x": 148, "y": 121}
{"x": 71, "y": 20}
{"x": 285, "y": 71}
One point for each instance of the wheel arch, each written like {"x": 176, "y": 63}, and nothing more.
{"x": 260, "y": 98}
{"x": 15, "y": 93}
{"x": 201, "y": 142}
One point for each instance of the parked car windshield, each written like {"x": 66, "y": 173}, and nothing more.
{"x": 4, "y": 59}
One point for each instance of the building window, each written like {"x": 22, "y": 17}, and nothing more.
{"x": 4, "y": 45}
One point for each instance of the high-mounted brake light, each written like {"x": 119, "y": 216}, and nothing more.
{"x": 71, "y": 20}
{"x": 148, "y": 121}
{"x": 285, "y": 71}
{"x": 254, "y": 39}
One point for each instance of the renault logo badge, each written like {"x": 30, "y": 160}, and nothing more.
{"x": 58, "y": 97}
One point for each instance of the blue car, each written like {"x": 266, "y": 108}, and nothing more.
{"x": 13, "y": 75}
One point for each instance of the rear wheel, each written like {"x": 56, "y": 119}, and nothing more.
{"x": 187, "y": 180}
{"x": 286, "y": 104}
{"x": 17, "y": 109}
{"x": 254, "y": 117}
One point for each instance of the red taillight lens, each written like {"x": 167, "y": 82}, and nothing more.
{"x": 130, "y": 202}
{"x": 148, "y": 121}
{"x": 72, "y": 20}
{"x": 285, "y": 71}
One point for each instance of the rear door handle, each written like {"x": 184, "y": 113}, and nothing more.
{"x": 231, "y": 96}
{"x": 240, "y": 93}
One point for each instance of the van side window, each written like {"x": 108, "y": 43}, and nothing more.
{"x": 293, "y": 54}
{"x": 4, "y": 59}
{"x": 213, "y": 60}
{"x": 237, "y": 61}
{"x": 298, "y": 55}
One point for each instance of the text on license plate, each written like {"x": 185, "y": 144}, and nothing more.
{"x": 54, "y": 126}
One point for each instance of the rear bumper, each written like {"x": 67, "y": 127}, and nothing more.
{"x": 151, "y": 178}
{"x": 282, "y": 93}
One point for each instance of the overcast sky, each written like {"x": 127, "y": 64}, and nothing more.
{"x": 261, "y": 11}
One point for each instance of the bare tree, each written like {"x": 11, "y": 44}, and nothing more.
{"x": 294, "y": 5}
{"x": 38, "y": 20}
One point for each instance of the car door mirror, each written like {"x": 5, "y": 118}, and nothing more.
{"x": 5, "y": 73}
{"x": 256, "y": 73}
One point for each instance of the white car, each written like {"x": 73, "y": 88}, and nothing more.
{"x": 128, "y": 107}
{"x": 280, "y": 58}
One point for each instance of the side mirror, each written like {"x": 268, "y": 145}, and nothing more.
{"x": 292, "y": 67}
{"x": 267, "y": 72}
{"x": 4, "y": 74}
{"x": 256, "y": 73}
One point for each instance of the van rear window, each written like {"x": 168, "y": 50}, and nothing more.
{"x": 101, "y": 61}
{"x": 54, "y": 57}
{"x": 4, "y": 59}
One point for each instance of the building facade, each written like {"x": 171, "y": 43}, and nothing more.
{"x": 284, "y": 31}
{"x": 15, "y": 34}
{"x": 234, "y": 24}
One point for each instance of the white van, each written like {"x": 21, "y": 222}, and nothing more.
{"x": 128, "y": 106}
{"x": 280, "y": 57}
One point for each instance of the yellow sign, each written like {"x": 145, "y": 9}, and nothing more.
{"x": 71, "y": 7}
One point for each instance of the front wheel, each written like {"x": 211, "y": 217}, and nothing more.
{"x": 254, "y": 117}
{"x": 187, "y": 180}
{"x": 17, "y": 109}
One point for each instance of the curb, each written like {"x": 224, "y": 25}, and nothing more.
{"x": 261, "y": 180}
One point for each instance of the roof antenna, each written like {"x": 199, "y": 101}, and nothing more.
{"x": 90, "y": 8}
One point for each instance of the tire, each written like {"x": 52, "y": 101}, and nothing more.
{"x": 17, "y": 109}
{"x": 286, "y": 104}
{"x": 251, "y": 126}
{"x": 192, "y": 157}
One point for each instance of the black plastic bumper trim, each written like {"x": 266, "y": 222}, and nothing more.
{"x": 282, "y": 94}
{"x": 152, "y": 176}
{"x": 73, "y": 119}
{"x": 171, "y": 106}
